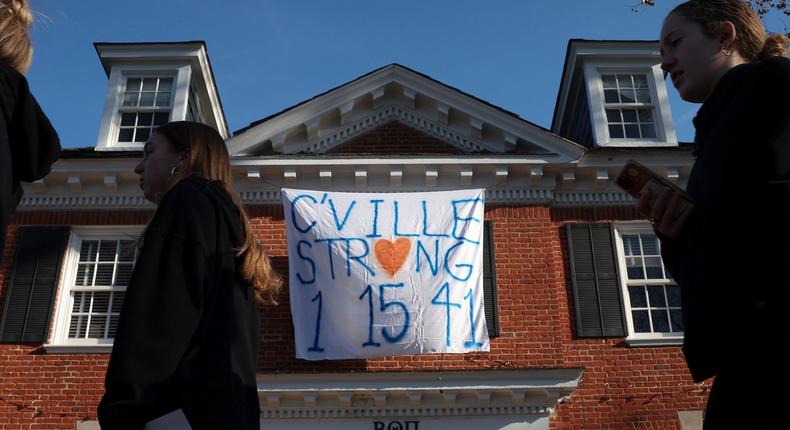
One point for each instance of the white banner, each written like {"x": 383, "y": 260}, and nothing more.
{"x": 384, "y": 274}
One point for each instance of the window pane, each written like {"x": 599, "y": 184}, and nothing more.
{"x": 127, "y": 250}
{"x": 626, "y": 96}
{"x": 640, "y": 81}
{"x": 126, "y": 135}
{"x": 165, "y": 84}
{"x": 655, "y": 295}
{"x": 673, "y": 294}
{"x": 653, "y": 268}
{"x": 113, "y": 326}
{"x": 648, "y": 131}
{"x": 117, "y": 301}
{"x": 616, "y": 131}
{"x": 133, "y": 85}
{"x": 75, "y": 327}
{"x": 637, "y": 296}
{"x": 676, "y": 319}
{"x": 632, "y": 131}
{"x": 610, "y": 96}
{"x": 88, "y": 250}
{"x": 634, "y": 268}
{"x": 645, "y": 115}
{"x": 146, "y": 99}
{"x": 624, "y": 81}
{"x": 123, "y": 274}
{"x": 609, "y": 81}
{"x": 631, "y": 244}
{"x": 96, "y": 329}
{"x": 128, "y": 119}
{"x": 84, "y": 274}
{"x": 641, "y": 321}
{"x": 101, "y": 302}
{"x": 660, "y": 321}
{"x": 142, "y": 135}
{"x": 643, "y": 96}
{"x": 629, "y": 115}
{"x": 104, "y": 275}
{"x": 163, "y": 99}
{"x": 649, "y": 244}
{"x": 130, "y": 99}
{"x": 107, "y": 250}
{"x": 79, "y": 303}
{"x": 145, "y": 119}
{"x": 613, "y": 115}
{"x": 161, "y": 118}
{"x": 149, "y": 84}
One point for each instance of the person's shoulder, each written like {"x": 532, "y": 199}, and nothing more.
{"x": 189, "y": 194}
{"x": 773, "y": 68}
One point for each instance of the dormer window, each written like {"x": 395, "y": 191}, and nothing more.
{"x": 147, "y": 103}
{"x": 629, "y": 107}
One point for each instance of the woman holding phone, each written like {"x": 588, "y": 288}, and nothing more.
{"x": 188, "y": 333}
{"x": 731, "y": 255}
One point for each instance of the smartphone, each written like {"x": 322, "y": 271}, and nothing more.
{"x": 636, "y": 178}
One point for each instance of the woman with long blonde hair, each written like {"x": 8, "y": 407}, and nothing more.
{"x": 188, "y": 333}
{"x": 28, "y": 143}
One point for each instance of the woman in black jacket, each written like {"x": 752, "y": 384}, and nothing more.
{"x": 731, "y": 256}
{"x": 28, "y": 143}
{"x": 188, "y": 333}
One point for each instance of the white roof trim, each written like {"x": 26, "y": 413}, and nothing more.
{"x": 476, "y": 117}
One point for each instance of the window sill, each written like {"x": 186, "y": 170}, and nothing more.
{"x": 671, "y": 341}
{"x": 77, "y": 349}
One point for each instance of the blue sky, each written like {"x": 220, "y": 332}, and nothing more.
{"x": 268, "y": 55}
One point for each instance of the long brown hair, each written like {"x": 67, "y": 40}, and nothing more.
{"x": 751, "y": 39}
{"x": 15, "y": 47}
{"x": 206, "y": 155}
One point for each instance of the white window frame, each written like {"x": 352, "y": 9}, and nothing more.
{"x": 662, "y": 115}
{"x": 60, "y": 342}
{"x": 634, "y": 338}
{"x": 113, "y": 106}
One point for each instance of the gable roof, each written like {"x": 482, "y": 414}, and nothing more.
{"x": 398, "y": 93}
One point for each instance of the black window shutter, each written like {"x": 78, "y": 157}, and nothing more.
{"x": 596, "y": 284}
{"x": 32, "y": 285}
{"x": 489, "y": 281}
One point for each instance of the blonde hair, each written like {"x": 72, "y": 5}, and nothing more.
{"x": 752, "y": 41}
{"x": 15, "y": 47}
{"x": 207, "y": 156}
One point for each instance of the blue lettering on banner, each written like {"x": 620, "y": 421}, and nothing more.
{"x": 375, "y": 218}
{"x": 447, "y": 304}
{"x": 425, "y": 223}
{"x": 434, "y": 266}
{"x": 395, "y": 204}
{"x": 293, "y": 212}
{"x": 447, "y": 267}
{"x": 315, "y": 346}
{"x": 384, "y": 305}
{"x": 339, "y": 224}
{"x": 308, "y": 259}
{"x": 369, "y": 292}
{"x": 456, "y": 218}
{"x": 471, "y": 343}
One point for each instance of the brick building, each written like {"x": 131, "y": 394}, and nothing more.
{"x": 583, "y": 319}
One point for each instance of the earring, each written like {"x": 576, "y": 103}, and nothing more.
{"x": 173, "y": 171}
{"x": 726, "y": 52}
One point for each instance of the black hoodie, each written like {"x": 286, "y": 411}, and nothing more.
{"x": 188, "y": 331}
{"x": 28, "y": 143}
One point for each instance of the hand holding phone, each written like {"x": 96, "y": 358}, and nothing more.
{"x": 664, "y": 203}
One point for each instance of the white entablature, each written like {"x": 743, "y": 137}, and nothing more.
{"x": 395, "y": 93}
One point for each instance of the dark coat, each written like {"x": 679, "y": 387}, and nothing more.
{"x": 732, "y": 260}
{"x": 189, "y": 328}
{"x": 28, "y": 143}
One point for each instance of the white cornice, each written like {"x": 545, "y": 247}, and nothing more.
{"x": 110, "y": 183}
{"x": 373, "y": 394}
{"x": 417, "y": 100}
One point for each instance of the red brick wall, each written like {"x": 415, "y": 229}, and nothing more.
{"x": 622, "y": 387}
{"x": 395, "y": 139}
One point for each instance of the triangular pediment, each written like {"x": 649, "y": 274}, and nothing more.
{"x": 396, "y": 94}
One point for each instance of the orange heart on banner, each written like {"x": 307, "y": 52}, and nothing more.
{"x": 392, "y": 255}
